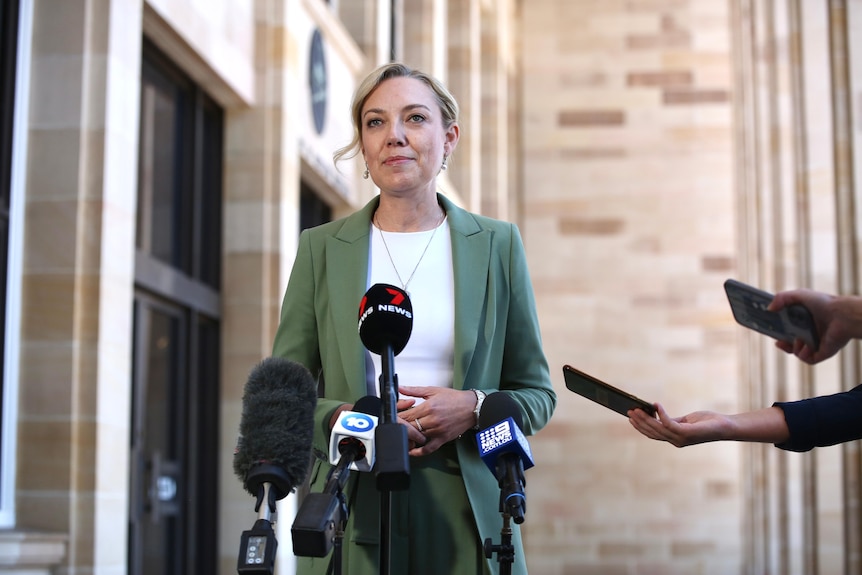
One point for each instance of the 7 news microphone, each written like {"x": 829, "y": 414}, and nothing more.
{"x": 385, "y": 324}
{"x": 504, "y": 449}
{"x": 351, "y": 447}
{"x": 273, "y": 451}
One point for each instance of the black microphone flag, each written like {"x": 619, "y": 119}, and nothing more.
{"x": 385, "y": 318}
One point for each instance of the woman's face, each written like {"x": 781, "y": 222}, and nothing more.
{"x": 403, "y": 136}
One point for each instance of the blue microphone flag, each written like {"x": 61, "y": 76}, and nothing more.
{"x": 500, "y": 438}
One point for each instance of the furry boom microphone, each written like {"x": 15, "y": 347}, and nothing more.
{"x": 273, "y": 451}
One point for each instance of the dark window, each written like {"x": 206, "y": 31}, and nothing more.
{"x": 313, "y": 211}
{"x": 179, "y": 178}
{"x": 175, "y": 387}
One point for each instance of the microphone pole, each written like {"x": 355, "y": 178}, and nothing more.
{"x": 392, "y": 465}
{"x": 506, "y": 452}
{"x": 505, "y": 550}
{"x": 258, "y": 544}
{"x": 388, "y": 385}
{"x": 385, "y": 324}
{"x": 388, "y": 397}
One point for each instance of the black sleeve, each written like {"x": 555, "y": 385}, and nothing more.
{"x": 822, "y": 421}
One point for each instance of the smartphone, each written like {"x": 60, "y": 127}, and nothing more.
{"x": 749, "y": 304}
{"x": 603, "y": 393}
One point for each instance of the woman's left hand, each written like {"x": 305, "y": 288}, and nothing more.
{"x": 444, "y": 415}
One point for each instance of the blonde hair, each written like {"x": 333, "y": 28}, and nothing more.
{"x": 446, "y": 101}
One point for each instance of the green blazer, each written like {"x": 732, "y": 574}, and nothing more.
{"x": 497, "y": 339}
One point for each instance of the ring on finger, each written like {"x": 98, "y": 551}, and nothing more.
{"x": 419, "y": 425}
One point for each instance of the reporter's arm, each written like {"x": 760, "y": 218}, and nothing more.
{"x": 763, "y": 425}
{"x": 822, "y": 421}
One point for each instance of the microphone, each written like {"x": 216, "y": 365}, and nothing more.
{"x": 504, "y": 449}
{"x": 385, "y": 324}
{"x": 273, "y": 450}
{"x": 351, "y": 446}
{"x": 385, "y": 319}
{"x": 353, "y": 434}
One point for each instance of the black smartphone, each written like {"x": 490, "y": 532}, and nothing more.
{"x": 603, "y": 393}
{"x": 749, "y": 304}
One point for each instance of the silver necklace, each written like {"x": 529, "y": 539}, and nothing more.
{"x": 416, "y": 267}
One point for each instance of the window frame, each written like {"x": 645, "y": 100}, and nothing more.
{"x": 187, "y": 279}
{"x": 12, "y": 323}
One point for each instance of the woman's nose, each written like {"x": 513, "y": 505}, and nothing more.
{"x": 396, "y": 135}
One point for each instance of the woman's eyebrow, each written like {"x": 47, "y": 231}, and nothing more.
{"x": 407, "y": 108}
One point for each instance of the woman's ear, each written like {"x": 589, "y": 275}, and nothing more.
{"x": 452, "y": 136}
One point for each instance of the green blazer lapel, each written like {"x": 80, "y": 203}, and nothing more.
{"x": 471, "y": 256}
{"x": 347, "y": 274}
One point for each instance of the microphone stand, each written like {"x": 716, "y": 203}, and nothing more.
{"x": 336, "y": 483}
{"x": 505, "y": 550}
{"x": 512, "y": 506}
{"x": 339, "y": 534}
{"x": 258, "y": 544}
{"x": 392, "y": 466}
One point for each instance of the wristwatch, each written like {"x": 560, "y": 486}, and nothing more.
{"x": 480, "y": 398}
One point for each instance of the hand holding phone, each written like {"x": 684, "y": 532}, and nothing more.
{"x": 749, "y": 305}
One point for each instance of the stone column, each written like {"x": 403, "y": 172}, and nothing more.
{"x": 465, "y": 82}
{"x": 78, "y": 277}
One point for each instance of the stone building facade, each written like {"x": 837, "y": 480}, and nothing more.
{"x": 159, "y": 158}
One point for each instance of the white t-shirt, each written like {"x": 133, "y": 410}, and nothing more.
{"x": 428, "y": 357}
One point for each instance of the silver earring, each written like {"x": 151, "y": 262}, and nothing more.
{"x": 444, "y": 166}
{"x": 366, "y": 173}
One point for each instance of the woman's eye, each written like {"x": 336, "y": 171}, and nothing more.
{"x": 417, "y": 118}
{"x": 373, "y": 122}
